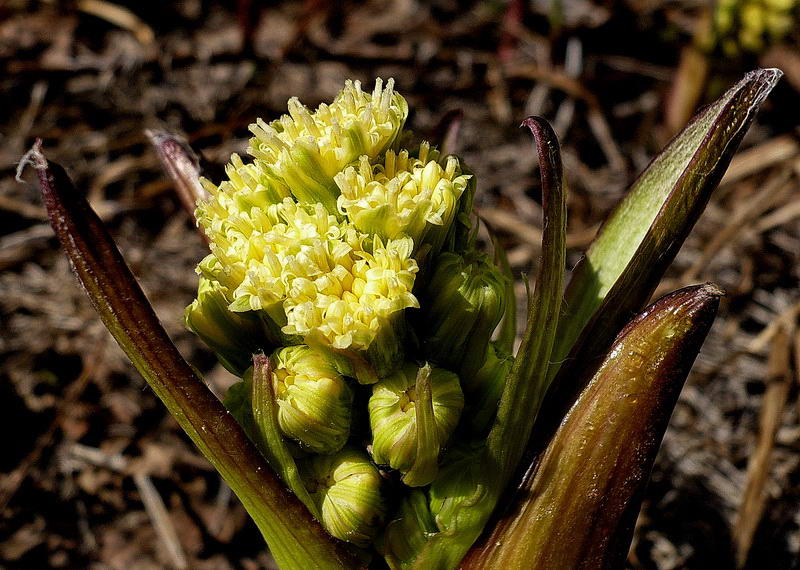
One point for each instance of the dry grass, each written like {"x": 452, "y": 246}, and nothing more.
{"x": 96, "y": 474}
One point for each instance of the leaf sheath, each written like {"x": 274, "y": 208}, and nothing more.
{"x": 579, "y": 508}
{"x": 640, "y": 239}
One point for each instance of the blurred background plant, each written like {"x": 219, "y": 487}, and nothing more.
{"x": 97, "y": 472}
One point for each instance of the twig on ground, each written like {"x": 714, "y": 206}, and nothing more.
{"x": 153, "y": 503}
{"x": 778, "y": 384}
{"x": 761, "y": 157}
{"x": 162, "y": 523}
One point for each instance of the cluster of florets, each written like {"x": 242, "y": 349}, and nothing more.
{"x": 351, "y": 262}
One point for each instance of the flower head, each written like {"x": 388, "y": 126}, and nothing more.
{"x": 465, "y": 300}
{"x": 307, "y": 149}
{"x": 395, "y": 421}
{"x": 403, "y": 195}
{"x": 317, "y": 278}
{"x": 347, "y": 489}
{"x": 348, "y": 305}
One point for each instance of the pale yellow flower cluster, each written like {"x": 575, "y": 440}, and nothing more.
{"x": 306, "y": 150}
{"x": 321, "y": 233}
{"x": 316, "y": 247}
{"x": 308, "y": 271}
{"x": 403, "y": 195}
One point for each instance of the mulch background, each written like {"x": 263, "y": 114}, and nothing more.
{"x": 88, "y": 453}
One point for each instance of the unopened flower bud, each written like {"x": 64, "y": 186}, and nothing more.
{"x": 407, "y": 533}
{"x": 234, "y": 337}
{"x": 482, "y": 391}
{"x": 314, "y": 401}
{"x": 346, "y": 487}
{"x": 465, "y": 300}
{"x": 412, "y": 414}
{"x": 457, "y": 482}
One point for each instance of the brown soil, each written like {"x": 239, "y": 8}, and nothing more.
{"x": 94, "y": 473}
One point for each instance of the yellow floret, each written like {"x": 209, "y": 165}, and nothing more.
{"x": 350, "y": 304}
{"x": 417, "y": 197}
{"x": 306, "y": 150}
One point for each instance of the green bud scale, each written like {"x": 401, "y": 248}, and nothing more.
{"x": 464, "y": 301}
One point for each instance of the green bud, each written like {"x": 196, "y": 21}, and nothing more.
{"x": 482, "y": 391}
{"x": 465, "y": 302}
{"x": 457, "y": 482}
{"x": 234, "y": 337}
{"x": 347, "y": 489}
{"x": 412, "y": 414}
{"x": 314, "y": 401}
{"x": 408, "y": 531}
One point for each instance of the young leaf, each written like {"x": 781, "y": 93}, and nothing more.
{"x": 526, "y": 384}
{"x": 579, "y": 509}
{"x": 294, "y": 537}
{"x": 640, "y": 239}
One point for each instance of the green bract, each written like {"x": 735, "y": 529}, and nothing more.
{"x": 412, "y": 415}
